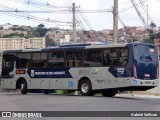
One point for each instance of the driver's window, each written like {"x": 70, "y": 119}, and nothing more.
{"x": 8, "y": 64}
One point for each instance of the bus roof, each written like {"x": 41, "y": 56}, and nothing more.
{"x": 75, "y": 47}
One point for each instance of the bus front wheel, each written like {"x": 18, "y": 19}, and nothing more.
{"x": 85, "y": 88}
{"x": 108, "y": 93}
{"x": 24, "y": 87}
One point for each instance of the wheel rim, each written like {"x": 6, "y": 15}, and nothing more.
{"x": 22, "y": 86}
{"x": 85, "y": 88}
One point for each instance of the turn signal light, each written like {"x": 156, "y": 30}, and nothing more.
{"x": 20, "y": 71}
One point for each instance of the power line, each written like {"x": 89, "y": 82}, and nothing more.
{"x": 27, "y": 16}
{"x": 40, "y": 4}
{"x": 125, "y": 9}
{"x": 84, "y": 30}
{"x": 139, "y": 14}
{"x": 146, "y": 11}
{"x": 50, "y": 6}
{"x": 124, "y": 3}
{"x": 88, "y": 23}
{"x": 63, "y": 11}
{"x": 36, "y": 11}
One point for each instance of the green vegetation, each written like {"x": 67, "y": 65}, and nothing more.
{"x": 148, "y": 40}
{"x": 13, "y": 35}
{"x": 38, "y": 31}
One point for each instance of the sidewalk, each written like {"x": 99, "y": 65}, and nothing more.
{"x": 137, "y": 95}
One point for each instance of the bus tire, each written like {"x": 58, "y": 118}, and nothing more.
{"x": 85, "y": 88}
{"x": 24, "y": 87}
{"x": 108, "y": 93}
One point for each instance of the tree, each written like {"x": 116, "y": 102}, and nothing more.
{"x": 158, "y": 35}
{"x": 21, "y": 35}
{"x": 152, "y": 25}
{"x": 49, "y": 42}
{"x": 5, "y": 36}
{"x": 41, "y": 30}
{"x": 152, "y": 30}
{"x": 41, "y": 26}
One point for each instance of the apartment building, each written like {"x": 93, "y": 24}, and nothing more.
{"x": 21, "y": 43}
{"x": 37, "y": 42}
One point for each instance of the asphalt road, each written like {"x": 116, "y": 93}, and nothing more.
{"x": 41, "y": 102}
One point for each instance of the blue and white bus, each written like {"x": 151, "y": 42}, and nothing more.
{"x": 91, "y": 69}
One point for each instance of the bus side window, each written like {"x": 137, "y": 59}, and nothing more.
{"x": 43, "y": 60}
{"x": 56, "y": 59}
{"x": 93, "y": 58}
{"x": 70, "y": 59}
{"x": 78, "y": 59}
{"x": 123, "y": 56}
{"x": 106, "y": 57}
{"x": 23, "y": 60}
{"x": 108, "y": 60}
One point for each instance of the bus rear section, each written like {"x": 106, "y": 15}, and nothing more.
{"x": 145, "y": 67}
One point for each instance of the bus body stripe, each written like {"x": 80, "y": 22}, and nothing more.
{"x": 49, "y": 73}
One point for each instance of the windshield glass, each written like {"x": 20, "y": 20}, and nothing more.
{"x": 145, "y": 53}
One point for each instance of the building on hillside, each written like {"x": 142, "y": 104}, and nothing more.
{"x": 9, "y": 31}
{"x": 11, "y": 43}
{"x": 37, "y": 42}
{"x": 129, "y": 33}
{"x": 21, "y": 43}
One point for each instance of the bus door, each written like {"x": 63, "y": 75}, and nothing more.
{"x": 7, "y": 70}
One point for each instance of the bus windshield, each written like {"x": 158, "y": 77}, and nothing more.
{"x": 145, "y": 53}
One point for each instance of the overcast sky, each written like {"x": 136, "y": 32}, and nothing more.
{"x": 98, "y": 21}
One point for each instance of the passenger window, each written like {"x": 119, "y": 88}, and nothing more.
{"x": 114, "y": 54}
{"x": 78, "y": 59}
{"x": 115, "y": 57}
{"x": 23, "y": 60}
{"x": 39, "y": 60}
{"x": 44, "y": 60}
{"x": 93, "y": 58}
{"x": 56, "y": 59}
{"x": 106, "y": 58}
{"x": 74, "y": 59}
{"x": 70, "y": 59}
{"x": 123, "y": 56}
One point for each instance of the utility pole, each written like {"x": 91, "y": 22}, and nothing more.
{"x": 115, "y": 21}
{"x": 74, "y": 22}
